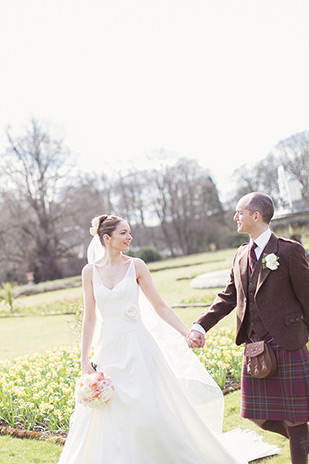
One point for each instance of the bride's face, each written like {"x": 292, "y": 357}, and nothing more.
{"x": 121, "y": 237}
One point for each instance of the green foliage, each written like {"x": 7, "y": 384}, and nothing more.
{"x": 8, "y": 294}
{"x": 235, "y": 240}
{"x": 220, "y": 355}
{"x": 197, "y": 299}
{"x": 66, "y": 306}
{"x": 37, "y": 391}
{"x": 149, "y": 254}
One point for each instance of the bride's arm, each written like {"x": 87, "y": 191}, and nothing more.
{"x": 89, "y": 319}
{"x": 163, "y": 310}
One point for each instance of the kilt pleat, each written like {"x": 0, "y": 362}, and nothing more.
{"x": 285, "y": 395}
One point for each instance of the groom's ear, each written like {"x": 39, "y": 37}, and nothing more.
{"x": 257, "y": 216}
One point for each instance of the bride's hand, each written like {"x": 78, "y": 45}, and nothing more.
{"x": 88, "y": 368}
{"x": 195, "y": 339}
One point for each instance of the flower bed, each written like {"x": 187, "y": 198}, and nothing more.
{"x": 221, "y": 356}
{"x": 37, "y": 391}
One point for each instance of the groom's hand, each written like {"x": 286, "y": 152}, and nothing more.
{"x": 195, "y": 339}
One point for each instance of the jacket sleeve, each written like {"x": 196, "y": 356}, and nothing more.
{"x": 299, "y": 275}
{"x": 223, "y": 304}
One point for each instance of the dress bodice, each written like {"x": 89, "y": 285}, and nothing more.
{"x": 116, "y": 302}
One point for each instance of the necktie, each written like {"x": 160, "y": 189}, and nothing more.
{"x": 252, "y": 256}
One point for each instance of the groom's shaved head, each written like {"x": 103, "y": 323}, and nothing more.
{"x": 258, "y": 201}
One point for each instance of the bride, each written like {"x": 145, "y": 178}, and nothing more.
{"x": 154, "y": 418}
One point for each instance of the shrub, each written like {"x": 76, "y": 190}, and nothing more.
{"x": 149, "y": 254}
{"x": 8, "y": 294}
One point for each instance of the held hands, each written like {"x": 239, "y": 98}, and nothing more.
{"x": 195, "y": 339}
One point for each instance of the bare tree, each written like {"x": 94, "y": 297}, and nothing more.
{"x": 186, "y": 202}
{"x": 34, "y": 172}
{"x": 159, "y": 194}
{"x": 132, "y": 198}
{"x": 292, "y": 153}
{"x": 262, "y": 176}
{"x": 91, "y": 194}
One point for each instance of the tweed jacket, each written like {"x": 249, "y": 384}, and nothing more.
{"x": 281, "y": 296}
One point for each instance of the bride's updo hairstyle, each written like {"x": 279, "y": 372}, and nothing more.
{"x": 104, "y": 224}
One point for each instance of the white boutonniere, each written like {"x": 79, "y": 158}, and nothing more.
{"x": 270, "y": 261}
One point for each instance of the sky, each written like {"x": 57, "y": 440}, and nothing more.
{"x": 221, "y": 81}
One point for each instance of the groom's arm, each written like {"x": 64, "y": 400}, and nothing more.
{"x": 224, "y": 303}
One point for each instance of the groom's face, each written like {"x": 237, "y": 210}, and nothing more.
{"x": 243, "y": 218}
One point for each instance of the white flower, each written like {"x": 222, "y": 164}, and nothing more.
{"x": 86, "y": 381}
{"x": 271, "y": 261}
{"x": 95, "y": 225}
{"x": 132, "y": 313}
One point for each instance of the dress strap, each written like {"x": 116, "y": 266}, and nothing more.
{"x": 132, "y": 268}
{"x": 95, "y": 274}
{"x": 132, "y": 272}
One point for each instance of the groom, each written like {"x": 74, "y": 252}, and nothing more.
{"x": 269, "y": 284}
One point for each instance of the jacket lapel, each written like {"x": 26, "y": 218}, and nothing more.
{"x": 271, "y": 247}
{"x": 243, "y": 268}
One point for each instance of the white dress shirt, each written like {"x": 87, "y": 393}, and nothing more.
{"x": 261, "y": 242}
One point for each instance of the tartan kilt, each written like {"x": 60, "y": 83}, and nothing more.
{"x": 285, "y": 395}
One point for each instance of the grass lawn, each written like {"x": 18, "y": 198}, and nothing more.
{"x": 218, "y": 260}
{"x": 173, "y": 290}
{"x": 25, "y": 335}
{"x": 15, "y": 450}
{"x": 46, "y": 298}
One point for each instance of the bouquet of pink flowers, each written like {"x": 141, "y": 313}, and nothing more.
{"x": 94, "y": 390}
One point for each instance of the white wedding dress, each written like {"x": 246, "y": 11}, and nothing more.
{"x": 150, "y": 420}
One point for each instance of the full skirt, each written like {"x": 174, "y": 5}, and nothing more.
{"x": 150, "y": 420}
